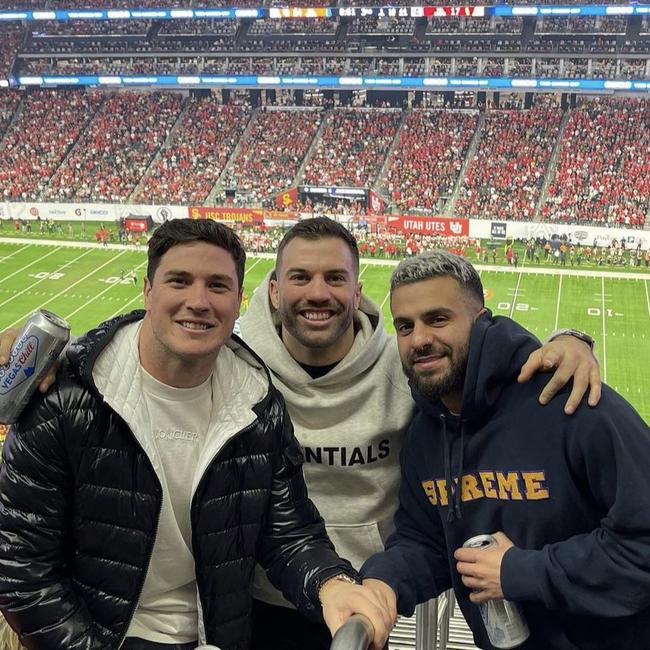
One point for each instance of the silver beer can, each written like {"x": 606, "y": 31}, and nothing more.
{"x": 504, "y": 621}
{"x": 37, "y": 347}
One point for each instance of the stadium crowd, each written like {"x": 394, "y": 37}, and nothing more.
{"x": 603, "y": 170}
{"x": 112, "y": 155}
{"x": 504, "y": 179}
{"x": 271, "y": 153}
{"x": 428, "y": 157}
{"x": 194, "y": 157}
{"x": 352, "y": 148}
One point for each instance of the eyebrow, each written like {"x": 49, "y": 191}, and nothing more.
{"x": 436, "y": 311}
{"x": 298, "y": 269}
{"x": 223, "y": 277}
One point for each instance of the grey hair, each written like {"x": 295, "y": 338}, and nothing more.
{"x": 437, "y": 264}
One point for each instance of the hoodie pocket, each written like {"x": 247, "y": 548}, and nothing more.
{"x": 356, "y": 542}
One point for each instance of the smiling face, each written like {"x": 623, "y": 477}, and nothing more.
{"x": 433, "y": 319}
{"x": 192, "y": 304}
{"x": 316, "y": 291}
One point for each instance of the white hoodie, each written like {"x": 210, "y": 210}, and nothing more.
{"x": 350, "y": 423}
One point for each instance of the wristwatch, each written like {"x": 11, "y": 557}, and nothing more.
{"x": 583, "y": 336}
{"x": 342, "y": 577}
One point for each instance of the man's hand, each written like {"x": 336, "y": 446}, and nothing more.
{"x": 571, "y": 358}
{"x": 480, "y": 569}
{"x": 387, "y": 597}
{"x": 340, "y": 600}
{"x": 7, "y": 340}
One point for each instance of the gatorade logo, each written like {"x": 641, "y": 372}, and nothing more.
{"x": 21, "y": 364}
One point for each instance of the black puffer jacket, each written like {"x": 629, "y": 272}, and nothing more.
{"x": 79, "y": 508}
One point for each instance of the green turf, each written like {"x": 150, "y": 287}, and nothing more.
{"x": 83, "y": 285}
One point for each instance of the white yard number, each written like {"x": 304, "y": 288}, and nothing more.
{"x": 595, "y": 311}
{"x": 44, "y": 275}
{"x": 520, "y": 306}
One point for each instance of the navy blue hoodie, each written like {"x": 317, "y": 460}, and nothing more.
{"x": 572, "y": 493}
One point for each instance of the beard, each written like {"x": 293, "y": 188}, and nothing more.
{"x": 435, "y": 386}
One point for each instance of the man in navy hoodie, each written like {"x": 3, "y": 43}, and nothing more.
{"x": 568, "y": 498}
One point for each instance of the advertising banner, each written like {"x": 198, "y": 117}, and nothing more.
{"x": 228, "y": 215}
{"x": 429, "y": 225}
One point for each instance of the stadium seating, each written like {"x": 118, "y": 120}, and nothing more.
{"x": 352, "y": 148}
{"x": 428, "y": 157}
{"x": 504, "y": 179}
{"x": 603, "y": 171}
{"x": 271, "y": 153}
{"x": 110, "y": 158}
{"x": 40, "y": 136}
{"x": 194, "y": 157}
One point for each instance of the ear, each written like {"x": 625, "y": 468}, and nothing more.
{"x": 357, "y": 295}
{"x": 146, "y": 292}
{"x": 274, "y": 294}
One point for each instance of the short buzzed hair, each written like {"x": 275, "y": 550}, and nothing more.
{"x": 316, "y": 229}
{"x": 439, "y": 264}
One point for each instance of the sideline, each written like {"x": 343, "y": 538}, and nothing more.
{"x": 594, "y": 273}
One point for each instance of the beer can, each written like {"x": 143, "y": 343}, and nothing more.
{"x": 36, "y": 349}
{"x": 503, "y": 620}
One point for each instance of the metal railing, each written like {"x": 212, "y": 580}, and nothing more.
{"x": 431, "y": 627}
{"x": 355, "y": 634}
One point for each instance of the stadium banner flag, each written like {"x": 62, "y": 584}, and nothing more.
{"x": 429, "y": 225}
{"x": 375, "y": 202}
{"x": 227, "y": 215}
{"x": 287, "y": 198}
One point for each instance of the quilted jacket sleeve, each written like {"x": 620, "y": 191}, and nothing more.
{"x": 296, "y": 551}
{"x": 36, "y": 486}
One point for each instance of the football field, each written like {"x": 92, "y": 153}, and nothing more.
{"x": 86, "y": 284}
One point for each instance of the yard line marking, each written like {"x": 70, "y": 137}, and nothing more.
{"x": 602, "y": 280}
{"x": 42, "y": 279}
{"x": 101, "y": 293}
{"x": 74, "y": 284}
{"x": 252, "y": 266}
{"x": 514, "y": 297}
{"x": 647, "y": 297}
{"x": 363, "y": 270}
{"x": 40, "y": 259}
{"x": 20, "y": 250}
{"x": 383, "y": 302}
{"x": 124, "y": 306}
{"x": 557, "y": 308}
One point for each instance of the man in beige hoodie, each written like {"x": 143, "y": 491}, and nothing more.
{"x": 339, "y": 372}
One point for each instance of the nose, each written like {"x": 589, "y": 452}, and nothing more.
{"x": 318, "y": 290}
{"x": 197, "y": 297}
{"x": 420, "y": 336}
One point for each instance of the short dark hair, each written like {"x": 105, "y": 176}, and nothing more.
{"x": 436, "y": 264}
{"x": 181, "y": 231}
{"x": 319, "y": 228}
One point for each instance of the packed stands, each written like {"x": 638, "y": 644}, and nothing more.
{"x": 194, "y": 157}
{"x": 48, "y": 124}
{"x": 110, "y": 158}
{"x": 430, "y": 152}
{"x": 353, "y": 147}
{"x": 9, "y": 101}
{"x": 10, "y": 37}
{"x": 272, "y": 153}
{"x": 505, "y": 178}
{"x": 603, "y": 171}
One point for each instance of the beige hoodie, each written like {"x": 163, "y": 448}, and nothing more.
{"x": 350, "y": 423}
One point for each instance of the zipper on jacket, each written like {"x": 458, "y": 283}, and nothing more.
{"x": 198, "y": 584}
{"x": 150, "y": 551}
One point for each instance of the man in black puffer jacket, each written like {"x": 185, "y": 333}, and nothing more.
{"x": 138, "y": 494}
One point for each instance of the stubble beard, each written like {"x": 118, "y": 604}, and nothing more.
{"x": 436, "y": 387}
